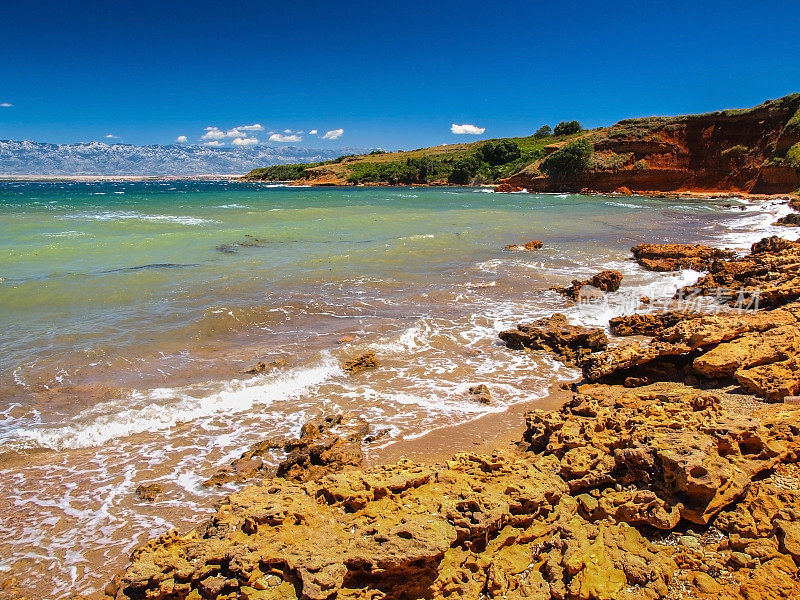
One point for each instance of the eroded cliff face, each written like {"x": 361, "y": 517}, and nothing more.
{"x": 732, "y": 150}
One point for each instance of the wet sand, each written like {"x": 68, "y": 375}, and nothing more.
{"x": 495, "y": 431}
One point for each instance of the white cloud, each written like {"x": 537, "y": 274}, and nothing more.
{"x": 181, "y": 139}
{"x": 6, "y": 105}
{"x": 111, "y": 136}
{"x": 466, "y": 128}
{"x": 287, "y": 131}
{"x": 239, "y": 141}
{"x": 214, "y": 143}
{"x": 313, "y": 132}
{"x": 213, "y": 133}
{"x": 253, "y": 127}
{"x": 277, "y": 137}
{"x": 333, "y": 134}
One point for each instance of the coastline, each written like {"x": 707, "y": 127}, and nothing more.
{"x": 128, "y": 178}
{"x": 687, "y": 193}
{"x": 459, "y": 450}
{"x": 485, "y": 434}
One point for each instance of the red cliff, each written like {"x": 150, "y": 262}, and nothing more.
{"x": 732, "y": 150}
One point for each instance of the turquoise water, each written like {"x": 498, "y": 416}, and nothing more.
{"x": 131, "y": 310}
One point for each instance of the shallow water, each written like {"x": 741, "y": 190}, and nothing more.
{"x": 130, "y": 312}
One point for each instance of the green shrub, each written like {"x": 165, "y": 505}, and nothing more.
{"x": 641, "y": 165}
{"x": 794, "y": 123}
{"x": 569, "y": 161}
{"x": 793, "y": 157}
{"x": 543, "y": 132}
{"x": 281, "y": 172}
{"x": 567, "y": 128}
{"x": 464, "y": 169}
{"x": 499, "y": 153}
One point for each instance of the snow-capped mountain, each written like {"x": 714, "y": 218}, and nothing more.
{"x": 97, "y": 158}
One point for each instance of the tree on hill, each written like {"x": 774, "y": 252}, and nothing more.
{"x": 500, "y": 153}
{"x": 567, "y": 128}
{"x": 464, "y": 169}
{"x": 543, "y": 132}
{"x": 569, "y": 161}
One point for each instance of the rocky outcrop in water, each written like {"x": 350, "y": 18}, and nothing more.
{"x": 326, "y": 446}
{"x": 570, "y": 343}
{"x": 360, "y": 362}
{"x": 604, "y": 281}
{"x": 526, "y": 247}
{"x": 674, "y": 257}
{"x": 767, "y": 277}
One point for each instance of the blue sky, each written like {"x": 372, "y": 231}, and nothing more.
{"x": 388, "y": 74}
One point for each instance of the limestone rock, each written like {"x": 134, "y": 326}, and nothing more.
{"x": 570, "y": 343}
{"x": 605, "y": 281}
{"x": 149, "y": 491}
{"x": 526, "y": 247}
{"x": 673, "y": 443}
{"x": 649, "y": 324}
{"x": 480, "y": 393}
{"x": 759, "y": 349}
{"x": 325, "y": 446}
{"x": 361, "y": 362}
{"x": 790, "y": 220}
{"x": 674, "y": 257}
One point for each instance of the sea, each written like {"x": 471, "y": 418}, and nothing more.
{"x": 131, "y": 311}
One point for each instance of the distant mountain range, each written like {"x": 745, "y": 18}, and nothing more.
{"x": 98, "y": 158}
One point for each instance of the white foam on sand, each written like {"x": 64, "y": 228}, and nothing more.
{"x": 164, "y": 408}
{"x": 756, "y": 222}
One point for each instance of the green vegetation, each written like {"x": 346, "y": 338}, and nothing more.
{"x": 500, "y": 153}
{"x": 465, "y": 170}
{"x": 640, "y": 165}
{"x": 282, "y": 172}
{"x": 543, "y": 132}
{"x": 422, "y": 169}
{"x": 567, "y": 128}
{"x": 490, "y": 161}
{"x": 569, "y": 161}
{"x": 794, "y": 122}
{"x": 793, "y": 156}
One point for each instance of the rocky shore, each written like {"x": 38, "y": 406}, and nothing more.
{"x": 670, "y": 473}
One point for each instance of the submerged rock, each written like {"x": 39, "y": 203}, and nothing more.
{"x": 261, "y": 368}
{"x": 149, "y": 491}
{"x": 480, "y": 393}
{"x": 361, "y": 362}
{"x": 526, "y": 247}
